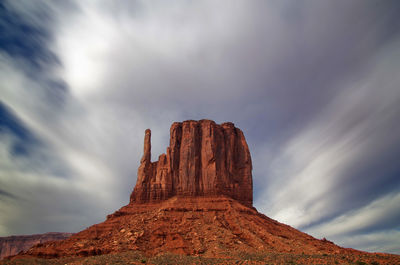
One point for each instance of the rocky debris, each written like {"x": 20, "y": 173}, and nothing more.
{"x": 209, "y": 226}
{"x": 203, "y": 159}
{"x": 12, "y": 245}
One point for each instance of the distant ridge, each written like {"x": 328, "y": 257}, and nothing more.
{"x": 12, "y": 245}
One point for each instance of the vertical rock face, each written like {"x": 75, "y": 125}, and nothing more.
{"x": 203, "y": 159}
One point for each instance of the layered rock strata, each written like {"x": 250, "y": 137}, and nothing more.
{"x": 203, "y": 159}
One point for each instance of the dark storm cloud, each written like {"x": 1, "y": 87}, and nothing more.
{"x": 9, "y": 122}
{"x": 313, "y": 84}
{"x": 22, "y": 39}
{"x": 7, "y": 195}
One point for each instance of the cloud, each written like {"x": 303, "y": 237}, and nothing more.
{"x": 385, "y": 241}
{"x": 373, "y": 227}
{"x": 342, "y": 162}
{"x": 380, "y": 213}
{"x": 312, "y": 84}
{"x": 352, "y": 130}
{"x": 73, "y": 156}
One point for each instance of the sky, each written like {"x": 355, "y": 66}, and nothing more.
{"x": 314, "y": 85}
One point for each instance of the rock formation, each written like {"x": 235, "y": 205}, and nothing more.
{"x": 12, "y": 245}
{"x": 203, "y": 159}
{"x": 209, "y": 226}
{"x": 197, "y": 200}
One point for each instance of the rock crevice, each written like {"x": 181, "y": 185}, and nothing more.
{"x": 203, "y": 159}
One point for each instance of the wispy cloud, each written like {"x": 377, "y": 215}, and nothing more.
{"x": 381, "y": 213}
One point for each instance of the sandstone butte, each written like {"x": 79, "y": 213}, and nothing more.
{"x": 197, "y": 200}
{"x": 203, "y": 159}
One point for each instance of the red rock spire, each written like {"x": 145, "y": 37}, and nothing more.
{"x": 203, "y": 159}
{"x": 147, "y": 147}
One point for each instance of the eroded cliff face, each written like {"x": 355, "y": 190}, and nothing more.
{"x": 203, "y": 159}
